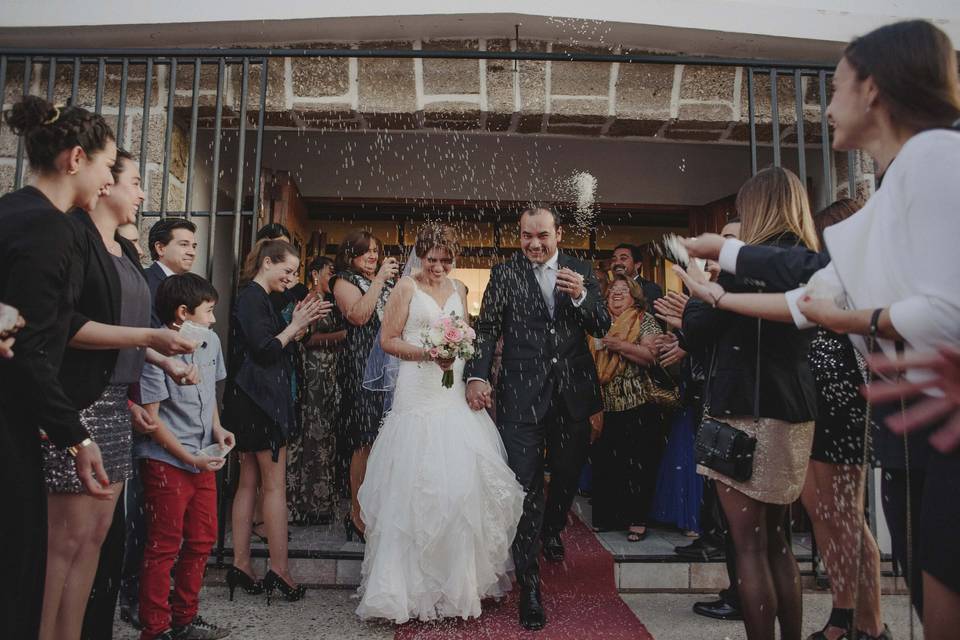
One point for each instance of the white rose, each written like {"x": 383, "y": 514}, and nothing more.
{"x": 436, "y": 335}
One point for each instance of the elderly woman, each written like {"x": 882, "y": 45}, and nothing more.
{"x": 627, "y": 453}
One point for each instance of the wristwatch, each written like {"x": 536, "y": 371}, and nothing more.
{"x": 75, "y": 449}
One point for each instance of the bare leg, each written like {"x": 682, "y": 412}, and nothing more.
{"x": 833, "y": 497}
{"x": 273, "y": 480}
{"x": 242, "y": 515}
{"x": 358, "y": 470}
{"x": 941, "y": 610}
{"x": 77, "y": 527}
{"x": 748, "y": 527}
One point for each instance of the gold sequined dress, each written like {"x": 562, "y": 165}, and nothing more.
{"x": 779, "y": 461}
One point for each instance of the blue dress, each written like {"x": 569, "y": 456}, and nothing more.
{"x": 679, "y": 488}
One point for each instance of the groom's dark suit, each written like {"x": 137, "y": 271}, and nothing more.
{"x": 546, "y": 392}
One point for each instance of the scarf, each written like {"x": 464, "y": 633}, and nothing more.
{"x": 626, "y": 327}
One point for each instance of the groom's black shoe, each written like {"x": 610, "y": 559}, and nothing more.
{"x": 532, "y": 616}
{"x": 553, "y": 548}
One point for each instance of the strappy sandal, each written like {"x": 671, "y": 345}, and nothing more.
{"x": 839, "y": 619}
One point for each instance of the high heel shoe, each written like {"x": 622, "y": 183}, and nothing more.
{"x": 351, "y": 530}
{"x": 237, "y": 578}
{"x": 273, "y": 581}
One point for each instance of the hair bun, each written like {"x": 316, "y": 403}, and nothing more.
{"x": 28, "y": 114}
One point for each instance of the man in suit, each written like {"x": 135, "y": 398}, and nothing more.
{"x": 173, "y": 247}
{"x": 627, "y": 260}
{"x": 544, "y": 304}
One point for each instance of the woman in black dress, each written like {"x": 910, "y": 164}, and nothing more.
{"x": 361, "y": 287}
{"x": 258, "y": 406}
{"x": 71, "y": 152}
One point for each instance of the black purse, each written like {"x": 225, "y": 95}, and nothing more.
{"x": 721, "y": 447}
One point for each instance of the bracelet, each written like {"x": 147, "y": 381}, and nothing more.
{"x": 75, "y": 449}
{"x": 875, "y": 323}
{"x": 716, "y": 301}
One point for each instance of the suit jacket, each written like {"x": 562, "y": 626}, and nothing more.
{"x": 154, "y": 275}
{"x": 786, "y": 384}
{"x": 651, "y": 291}
{"x": 86, "y": 372}
{"x": 41, "y": 257}
{"x": 542, "y": 356}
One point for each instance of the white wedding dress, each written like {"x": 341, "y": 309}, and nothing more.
{"x": 440, "y": 504}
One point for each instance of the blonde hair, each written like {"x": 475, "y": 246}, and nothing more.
{"x": 772, "y": 203}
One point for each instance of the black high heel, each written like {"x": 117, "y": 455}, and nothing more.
{"x": 351, "y": 529}
{"x": 273, "y": 581}
{"x": 237, "y": 578}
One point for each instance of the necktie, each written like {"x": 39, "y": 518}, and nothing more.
{"x": 546, "y": 285}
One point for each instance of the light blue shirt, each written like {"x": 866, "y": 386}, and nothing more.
{"x": 186, "y": 410}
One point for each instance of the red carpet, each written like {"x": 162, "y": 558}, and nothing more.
{"x": 580, "y": 597}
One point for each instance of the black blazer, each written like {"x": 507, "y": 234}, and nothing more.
{"x": 154, "y": 275}
{"x": 542, "y": 356}
{"x": 85, "y": 373}
{"x": 259, "y": 365}
{"x": 42, "y": 252}
{"x": 776, "y": 268}
{"x": 786, "y": 385}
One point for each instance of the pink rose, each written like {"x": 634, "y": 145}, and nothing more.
{"x": 471, "y": 334}
{"x": 453, "y": 335}
{"x": 434, "y": 352}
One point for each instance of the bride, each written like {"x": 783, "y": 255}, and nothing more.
{"x": 440, "y": 504}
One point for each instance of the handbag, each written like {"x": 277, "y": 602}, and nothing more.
{"x": 720, "y": 446}
{"x": 660, "y": 389}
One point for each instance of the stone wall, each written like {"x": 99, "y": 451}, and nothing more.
{"x": 643, "y": 102}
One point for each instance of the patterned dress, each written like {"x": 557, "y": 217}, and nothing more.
{"x": 312, "y": 460}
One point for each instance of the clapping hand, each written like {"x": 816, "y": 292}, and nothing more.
{"x": 7, "y": 333}
{"x": 698, "y": 283}
{"x": 945, "y": 365}
{"x": 669, "y": 308}
{"x": 669, "y": 349}
{"x": 308, "y": 311}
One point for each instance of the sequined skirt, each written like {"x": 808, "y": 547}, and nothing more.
{"x": 108, "y": 422}
{"x": 779, "y": 461}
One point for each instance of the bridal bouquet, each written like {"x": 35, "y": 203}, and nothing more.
{"x": 449, "y": 337}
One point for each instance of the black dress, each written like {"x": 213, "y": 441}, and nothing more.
{"x": 838, "y": 374}
{"x": 257, "y": 401}
{"x": 41, "y": 253}
{"x": 362, "y": 408}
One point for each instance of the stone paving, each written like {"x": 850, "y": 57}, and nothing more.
{"x": 328, "y": 614}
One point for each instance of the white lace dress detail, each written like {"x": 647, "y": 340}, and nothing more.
{"x": 440, "y": 504}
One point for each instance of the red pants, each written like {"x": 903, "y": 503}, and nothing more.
{"x": 181, "y": 529}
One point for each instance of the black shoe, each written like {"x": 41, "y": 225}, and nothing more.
{"x": 166, "y": 635}
{"x": 272, "y": 582}
{"x": 717, "y": 609}
{"x": 553, "y": 548}
{"x": 237, "y": 578}
{"x": 131, "y": 615}
{"x": 886, "y": 634}
{"x": 200, "y": 629}
{"x": 532, "y": 616}
{"x": 700, "y": 550}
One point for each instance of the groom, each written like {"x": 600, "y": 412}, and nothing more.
{"x": 544, "y": 305}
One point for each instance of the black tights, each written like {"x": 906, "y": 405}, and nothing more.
{"x": 767, "y": 574}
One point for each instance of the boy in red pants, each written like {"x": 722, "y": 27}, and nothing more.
{"x": 179, "y": 482}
